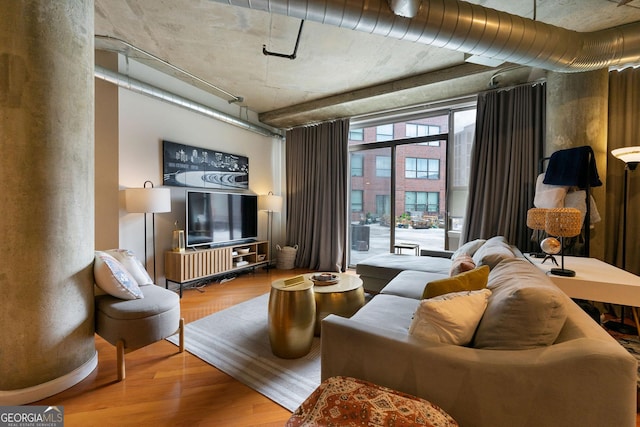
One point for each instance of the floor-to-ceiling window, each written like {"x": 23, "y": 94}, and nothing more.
{"x": 409, "y": 179}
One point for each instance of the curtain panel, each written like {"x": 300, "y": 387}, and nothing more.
{"x": 316, "y": 188}
{"x": 623, "y": 131}
{"x": 509, "y": 141}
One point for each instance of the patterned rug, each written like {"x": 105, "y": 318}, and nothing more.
{"x": 236, "y": 341}
{"x": 632, "y": 344}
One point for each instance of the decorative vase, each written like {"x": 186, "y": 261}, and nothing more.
{"x": 178, "y": 241}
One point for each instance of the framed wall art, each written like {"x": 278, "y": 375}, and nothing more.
{"x": 188, "y": 166}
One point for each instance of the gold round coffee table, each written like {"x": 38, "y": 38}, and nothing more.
{"x": 343, "y": 298}
{"x": 292, "y": 315}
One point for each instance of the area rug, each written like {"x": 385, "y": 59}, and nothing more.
{"x": 236, "y": 341}
{"x": 632, "y": 345}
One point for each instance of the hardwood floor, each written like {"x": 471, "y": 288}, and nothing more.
{"x": 166, "y": 388}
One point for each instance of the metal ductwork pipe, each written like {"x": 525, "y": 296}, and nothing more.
{"x": 134, "y": 85}
{"x": 472, "y": 29}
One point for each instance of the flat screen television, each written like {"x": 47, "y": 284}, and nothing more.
{"x": 216, "y": 217}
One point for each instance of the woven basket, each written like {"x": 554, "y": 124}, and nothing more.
{"x": 286, "y": 257}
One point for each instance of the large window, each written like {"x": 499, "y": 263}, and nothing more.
{"x": 383, "y": 166}
{"x": 422, "y": 168}
{"x": 409, "y": 179}
{"x": 422, "y": 201}
{"x": 357, "y": 165}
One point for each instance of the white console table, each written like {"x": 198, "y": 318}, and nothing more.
{"x": 595, "y": 280}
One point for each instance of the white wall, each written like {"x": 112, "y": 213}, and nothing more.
{"x": 144, "y": 122}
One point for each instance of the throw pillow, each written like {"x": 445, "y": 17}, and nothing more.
{"x": 113, "y": 278}
{"x": 472, "y": 280}
{"x": 525, "y": 310}
{"x": 461, "y": 264}
{"x": 468, "y": 248}
{"x": 492, "y": 252}
{"x": 133, "y": 265}
{"x": 451, "y": 318}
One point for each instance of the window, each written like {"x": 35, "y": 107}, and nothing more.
{"x": 415, "y": 129}
{"x": 422, "y": 168}
{"x": 384, "y": 133}
{"x": 357, "y": 165}
{"x": 356, "y": 134}
{"x": 422, "y": 201}
{"x": 383, "y": 204}
{"x": 383, "y": 166}
{"x": 356, "y": 200}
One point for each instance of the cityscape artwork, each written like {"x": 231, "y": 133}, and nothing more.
{"x": 188, "y": 166}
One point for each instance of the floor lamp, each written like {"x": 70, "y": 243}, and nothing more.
{"x": 148, "y": 200}
{"x": 271, "y": 204}
{"x": 631, "y": 157}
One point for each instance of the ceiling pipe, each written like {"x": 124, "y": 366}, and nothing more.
{"x": 406, "y": 8}
{"x": 134, "y": 85}
{"x": 472, "y": 29}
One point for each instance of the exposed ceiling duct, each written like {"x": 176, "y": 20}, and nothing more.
{"x": 406, "y": 8}
{"x": 134, "y": 85}
{"x": 472, "y": 29}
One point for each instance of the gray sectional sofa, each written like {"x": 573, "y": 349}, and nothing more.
{"x": 536, "y": 358}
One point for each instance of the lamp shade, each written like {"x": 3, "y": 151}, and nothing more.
{"x": 536, "y": 218}
{"x": 563, "y": 222}
{"x": 148, "y": 200}
{"x": 627, "y": 154}
{"x": 270, "y": 203}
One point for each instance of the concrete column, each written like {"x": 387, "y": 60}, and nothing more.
{"x": 46, "y": 197}
{"x": 577, "y": 110}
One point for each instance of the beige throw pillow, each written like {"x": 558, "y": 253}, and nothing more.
{"x": 461, "y": 264}
{"x": 451, "y": 318}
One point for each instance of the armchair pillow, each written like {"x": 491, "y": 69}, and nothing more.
{"x": 133, "y": 265}
{"x": 451, "y": 318}
{"x": 492, "y": 252}
{"x": 111, "y": 276}
{"x": 472, "y": 280}
{"x": 468, "y": 248}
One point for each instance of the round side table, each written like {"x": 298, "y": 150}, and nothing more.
{"x": 343, "y": 298}
{"x": 292, "y": 316}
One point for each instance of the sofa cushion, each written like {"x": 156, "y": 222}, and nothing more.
{"x": 468, "y": 248}
{"x": 493, "y": 251}
{"x": 410, "y": 283}
{"x": 462, "y": 263}
{"x": 113, "y": 278}
{"x": 450, "y": 318}
{"x": 472, "y": 280}
{"x": 525, "y": 309}
{"x": 388, "y": 311}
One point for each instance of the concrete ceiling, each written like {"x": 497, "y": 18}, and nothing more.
{"x": 337, "y": 72}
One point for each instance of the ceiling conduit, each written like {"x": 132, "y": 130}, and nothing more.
{"x": 472, "y": 29}
{"x": 134, "y": 85}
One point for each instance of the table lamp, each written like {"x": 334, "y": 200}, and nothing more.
{"x": 536, "y": 218}
{"x": 563, "y": 222}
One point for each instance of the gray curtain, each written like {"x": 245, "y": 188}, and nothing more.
{"x": 509, "y": 141}
{"x": 316, "y": 172}
{"x": 624, "y": 131}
